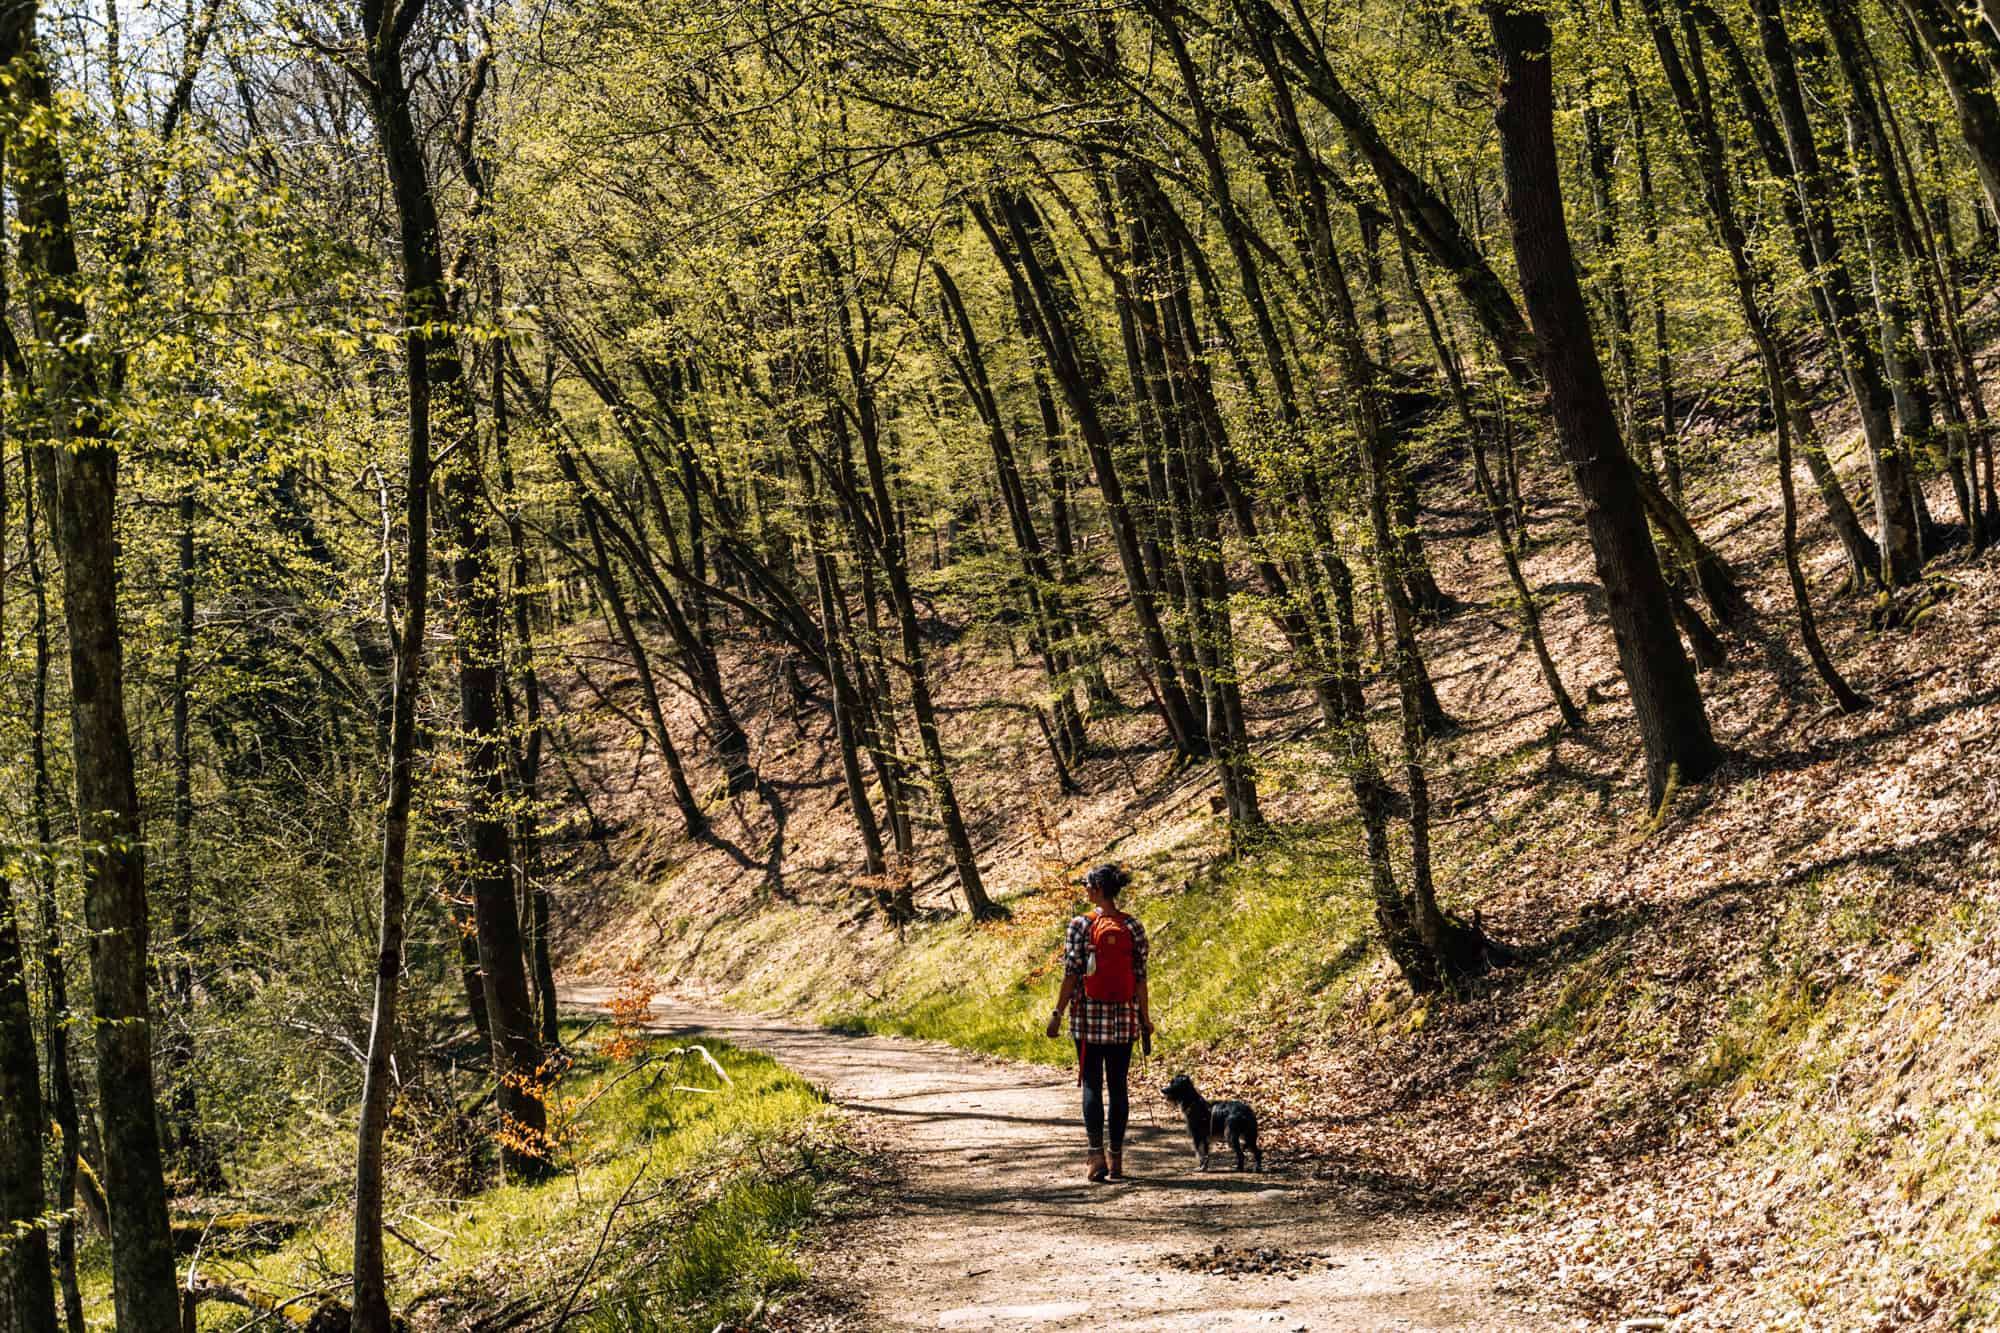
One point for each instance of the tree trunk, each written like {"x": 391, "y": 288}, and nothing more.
{"x": 846, "y": 726}
{"x": 424, "y": 305}
{"x": 489, "y": 866}
{"x": 35, "y": 463}
{"x": 1053, "y": 634}
{"x": 1672, "y": 722}
{"x": 1948, "y": 35}
{"x": 1432, "y": 223}
{"x": 880, "y": 520}
{"x": 1489, "y": 494}
{"x": 1689, "y": 83}
{"x": 1047, "y": 303}
{"x": 1863, "y": 555}
{"x": 1895, "y": 521}
{"x": 84, "y": 520}
{"x": 26, "y": 1295}
{"x": 1617, "y": 299}
{"x": 197, "y": 1156}
{"x": 527, "y": 756}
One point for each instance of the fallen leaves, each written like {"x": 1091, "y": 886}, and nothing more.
{"x": 1259, "y": 1261}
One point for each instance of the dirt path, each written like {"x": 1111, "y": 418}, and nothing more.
{"x": 994, "y": 1228}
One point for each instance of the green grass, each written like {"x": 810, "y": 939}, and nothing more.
{"x": 707, "y": 1195}
{"x": 1267, "y": 934}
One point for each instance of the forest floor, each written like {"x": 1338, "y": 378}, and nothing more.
{"x": 1743, "y": 1077}
{"x": 982, "y": 1220}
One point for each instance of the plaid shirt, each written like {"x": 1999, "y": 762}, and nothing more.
{"x": 1101, "y": 1022}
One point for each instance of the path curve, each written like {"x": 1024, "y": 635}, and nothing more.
{"x": 994, "y": 1228}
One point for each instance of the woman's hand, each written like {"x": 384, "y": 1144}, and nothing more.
{"x": 1055, "y": 1023}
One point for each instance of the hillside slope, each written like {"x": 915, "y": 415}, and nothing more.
{"x": 1739, "y": 1074}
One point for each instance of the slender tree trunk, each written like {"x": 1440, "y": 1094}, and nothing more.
{"x": 1047, "y": 303}
{"x": 1052, "y": 631}
{"x": 465, "y": 931}
{"x": 885, "y": 740}
{"x": 55, "y": 965}
{"x": 528, "y": 753}
{"x": 847, "y": 727}
{"x": 692, "y": 818}
{"x": 84, "y": 521}
{"x": 1827, "y": 286}
{"x": 424, "y": 304}
{"x": 881, "y": 522}
{"x": 1924, "y": 376}
{"x": 489, "y": 866}
{"x": 1489, "y": 494}
{"x": 197, "y": 1156}
{"x": 1617, "y": 299}
{"x": 1963, "y": 62}
{"x": 1894, "y": 519}
{"x": 1845, "y": 697}
{"x": 1663, "y": 349}
{"x": 27, "y": 1296}
{"x": 1672, "y": 721}
{"x": 1689, "y": 83}
{"x": 732, "y": 743}
{"x": 1433, "y": 225}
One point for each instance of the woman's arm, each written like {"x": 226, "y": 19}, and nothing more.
{"x": 1062, "y": 1002}
{"x": 1142, "y": 953}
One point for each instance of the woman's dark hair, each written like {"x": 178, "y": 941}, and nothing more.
{"x": 1107, "y": 880}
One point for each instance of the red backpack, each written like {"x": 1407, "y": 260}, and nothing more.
{"x": 1110, "y": 978}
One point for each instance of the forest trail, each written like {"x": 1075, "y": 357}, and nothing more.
{"x": 991, "y": 1225}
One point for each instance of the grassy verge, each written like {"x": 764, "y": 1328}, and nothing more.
{"x": 681, "y": 1205}
{"x": 1268, "y": 935}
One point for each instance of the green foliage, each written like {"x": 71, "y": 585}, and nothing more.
{"x": 676, "y": 1209}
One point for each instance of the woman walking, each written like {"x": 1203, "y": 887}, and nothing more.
{"x": 1104, "y": 989}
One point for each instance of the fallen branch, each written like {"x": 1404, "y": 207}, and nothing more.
{"x": 412, "y": 1244}
{"x": 698, "y": 1049}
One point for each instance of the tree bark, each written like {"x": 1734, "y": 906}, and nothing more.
{"x": 384, "y": 27}
{"x": 1673, "y": 724}
{"x": 36, "y": 467}
{"x": 84, "y": 521}
{"x": 1949, "y": 37}
{"x": 27, "y": 1296}
{"x": 1895, "y": 521}
{"x": 488, "y": 842}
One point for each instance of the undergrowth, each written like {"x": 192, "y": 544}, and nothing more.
{"x": 680, "y": 1205}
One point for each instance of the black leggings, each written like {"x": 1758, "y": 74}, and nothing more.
{"x": 1105, "y": 1063}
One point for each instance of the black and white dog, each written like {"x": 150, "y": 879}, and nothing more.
{"x": 1233, "y": 1122}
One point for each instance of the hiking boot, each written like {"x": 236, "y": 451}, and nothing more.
{"x": 1098, "y": 1170}
{"x": 1117, "y": 1169}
